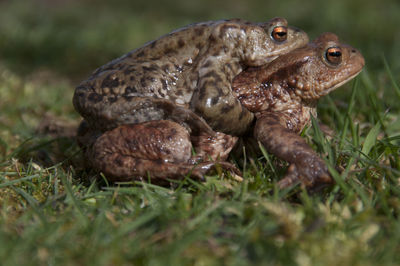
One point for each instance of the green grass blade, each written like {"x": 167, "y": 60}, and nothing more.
{"x": 348, "y": 114}
{"x": 370, "y": 139}
{"x": 75, "y": 202}
{"x": 15, "y": 181}
{"x": 33, "y": 203}
{"x": 392, "y": 79}
{"x": 267, "y": 157}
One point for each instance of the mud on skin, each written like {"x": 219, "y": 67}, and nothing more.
{"x": 185, "y": 77}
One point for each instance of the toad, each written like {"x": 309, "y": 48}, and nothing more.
{"x": 283, "y": 96}
{"x": 188, "y": 71}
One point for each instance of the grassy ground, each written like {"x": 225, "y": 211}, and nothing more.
{"x": 53, "y": 211}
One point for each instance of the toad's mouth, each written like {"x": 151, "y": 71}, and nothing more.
{"x": 337, "y": 85}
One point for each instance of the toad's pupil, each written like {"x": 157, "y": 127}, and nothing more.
{"x": 335, "y": 54}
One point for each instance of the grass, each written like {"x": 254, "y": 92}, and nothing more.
{"x": 55, "y": 212}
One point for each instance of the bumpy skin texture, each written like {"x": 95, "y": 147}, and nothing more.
{"x": 283, "y": 95}
{"x": 185, "y": 77}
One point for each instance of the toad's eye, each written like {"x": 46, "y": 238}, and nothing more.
{"x": 334, "y": 55}
{"x": 279, "y": 33}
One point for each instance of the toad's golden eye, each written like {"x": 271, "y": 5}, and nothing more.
{"x": 279, "y": 33}
{"x": 334, "y": 55}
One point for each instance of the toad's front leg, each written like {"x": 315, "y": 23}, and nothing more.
{"x": 306, "y": 166}
{"x": 161, "y": 149}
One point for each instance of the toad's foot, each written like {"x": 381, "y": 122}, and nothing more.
{"x": 215, "y": 147}
{"x": 311, "y": 171}
{"x": 306, "y": 166}
{"x": 159, "y": 149}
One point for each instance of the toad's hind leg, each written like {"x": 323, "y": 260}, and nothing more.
{"x": 161, "y": 149}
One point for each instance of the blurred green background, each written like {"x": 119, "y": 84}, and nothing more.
{"x": 74, "y": 37}
{"x": 51, "y": 216}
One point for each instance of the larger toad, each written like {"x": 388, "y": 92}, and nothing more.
{"x": 188, "y": 69}
{"x": 282, "y": 96}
